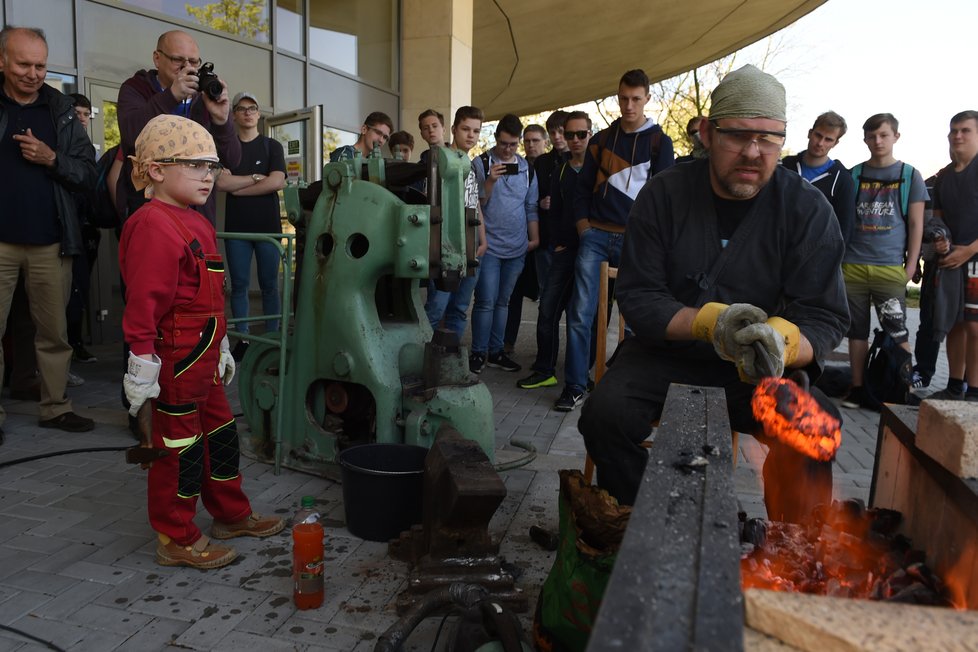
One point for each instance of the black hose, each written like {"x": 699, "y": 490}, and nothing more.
{"x": 19, "y": 632}
{"x": 41, "y": 456}
{"x": 463, "y": 595}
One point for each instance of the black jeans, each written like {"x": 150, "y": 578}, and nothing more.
{"x": 553, "y": 303}
{"x": 926, "y": 348}
{"x": 618, "y": 416}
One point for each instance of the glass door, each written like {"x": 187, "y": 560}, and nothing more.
{"x": 300, "y": 133}
{"x": 105, "y": 297}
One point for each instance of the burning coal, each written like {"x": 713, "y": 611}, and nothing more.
{"x": 842, "y": 550}
{"x": 793, "y": 416}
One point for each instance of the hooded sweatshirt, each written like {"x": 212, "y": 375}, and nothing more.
{"x": 838, "y": 187}
{"x": 616, "y": 166}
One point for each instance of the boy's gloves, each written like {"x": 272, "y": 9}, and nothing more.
{"x": 733, "y": 329}
{"x": 226, "y": 366}
{"x": 140, "y": 381}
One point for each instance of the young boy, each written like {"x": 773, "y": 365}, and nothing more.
{"x": 401, "y": 145}
{"x": 454, "y": 306}
{"x": 882, "y": 252}
{"x": 175, "y": 326}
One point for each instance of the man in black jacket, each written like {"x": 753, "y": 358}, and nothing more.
{"x": 831, "y": 177}
{"x": 45, "y": 155}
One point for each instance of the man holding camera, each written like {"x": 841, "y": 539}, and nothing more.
{"x": 181, "y": 85}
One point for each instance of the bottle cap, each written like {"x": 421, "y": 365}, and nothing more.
{"x": 308, "y": 501}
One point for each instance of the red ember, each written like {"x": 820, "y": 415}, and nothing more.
{"x": 794, "y": 417}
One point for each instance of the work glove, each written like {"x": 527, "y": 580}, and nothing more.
{"x": 733, "y": 330}
{"x": 226, "y": 366}
{"x": 141, "y": 381}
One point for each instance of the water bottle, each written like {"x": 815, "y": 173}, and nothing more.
{"x": 307, "y": 556}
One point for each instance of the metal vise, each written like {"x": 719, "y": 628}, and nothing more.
{"x": 461, "y": 493}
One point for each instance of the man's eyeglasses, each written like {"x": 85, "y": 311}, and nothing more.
{"x": 383, "y": 137}
{"x": 180, "y": 61}
{"x": 738, "y": 140}
{"x": 580, "y": 135}
{"x": 508, "y": 145}
{"x": 247, "y": 110}
{"x": 196, "y": 168}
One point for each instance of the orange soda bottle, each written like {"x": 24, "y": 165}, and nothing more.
{"x": 307, "y": 556}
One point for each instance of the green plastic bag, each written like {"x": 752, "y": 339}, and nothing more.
{"x": 592, "y": 525}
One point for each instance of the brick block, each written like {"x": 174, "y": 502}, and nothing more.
{"x": 948, "y": 432}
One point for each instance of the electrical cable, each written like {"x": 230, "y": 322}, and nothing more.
{"x": 434, "y": 643}
{"x": 520, "y": 461}
{"x": 41, "y": 456}
{"x": 20, "y": 632}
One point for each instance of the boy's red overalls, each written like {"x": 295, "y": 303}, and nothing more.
{"x": 191, "y": 416}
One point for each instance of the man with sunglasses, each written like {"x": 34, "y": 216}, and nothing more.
{"x": 619, "y": 161}
{"x": 172, "y": 88}
{"x": 375, "y": 132}
{"x": 731, "y": 250}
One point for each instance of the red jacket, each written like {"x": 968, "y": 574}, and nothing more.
{"x": 158, "y": 268}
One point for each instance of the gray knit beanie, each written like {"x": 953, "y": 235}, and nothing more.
{"x": 748, "y": 93}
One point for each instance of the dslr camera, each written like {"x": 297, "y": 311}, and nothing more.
{"x": 208, "y": 82}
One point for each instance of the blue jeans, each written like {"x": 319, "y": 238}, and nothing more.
{"x": 239, "y": 265}
{"x": 596, "y": 247}
{"x": 453, "y": 307}
{"x": 553, "y": 302}
{"x": 497, "y": 278}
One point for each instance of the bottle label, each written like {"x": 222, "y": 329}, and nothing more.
{"x": 309, "y": 576}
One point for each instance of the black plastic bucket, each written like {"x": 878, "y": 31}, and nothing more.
{"x": 382, "y": 488}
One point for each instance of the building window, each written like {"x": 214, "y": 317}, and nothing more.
{"x": 289, "y": 25}
{"x": 358, "y": 37}
{"x": 244, "y": 18}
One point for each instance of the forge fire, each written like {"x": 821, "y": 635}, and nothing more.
{"x": 842, "y": 550}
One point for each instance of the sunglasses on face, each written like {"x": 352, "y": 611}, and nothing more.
{"x": 579, "y": 135}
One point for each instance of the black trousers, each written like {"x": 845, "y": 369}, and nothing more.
{"x": 619, "y": 413}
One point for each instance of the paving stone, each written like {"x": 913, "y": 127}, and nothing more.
{"x": 236, "y": 641}
{"x": 59, "y": 632}
{"x": 47, "y": 583}
{"x": 97, "y": 572}
{"x": 118, "y": 620}
{"x": 211, "y": 626}
{"x": 100, "y": 640}
{"x": 80, "y": 594}
{"x": 154, "y": 635}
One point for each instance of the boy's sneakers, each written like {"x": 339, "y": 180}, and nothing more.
{"x": 569, "y": 399}
{"x": 203, "y": 553}
{"x": 537, "y": 380}
{"x": 477, "y": 362}
{"x": 918, "y": 380}
{"x": 502, "y": 361}
{"x": 947, "y": 395}
{"x": 856, "y": 399}
{"x": 80, "y": 354}
{"x": 255, "y": 525}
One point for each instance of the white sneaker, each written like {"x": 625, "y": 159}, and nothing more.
{"x": 75, "y": 380}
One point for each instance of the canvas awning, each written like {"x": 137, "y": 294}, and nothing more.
{"x": 533, "y": 55}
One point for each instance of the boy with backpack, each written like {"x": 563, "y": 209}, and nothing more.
{"x": 881, "y": 255}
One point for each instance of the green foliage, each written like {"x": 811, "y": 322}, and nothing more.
{"x": 246, "y": 18}
{"x": 110, "y": 119}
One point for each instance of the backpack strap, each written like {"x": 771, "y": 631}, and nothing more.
{"x": 906, "y": 180}
{"x": 856, "y": 172}
{"x": 484, "y": 156}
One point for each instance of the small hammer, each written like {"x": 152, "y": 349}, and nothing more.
{"x": 144, "y": 454}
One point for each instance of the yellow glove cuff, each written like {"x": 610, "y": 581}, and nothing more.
{"x": 705, "y": 321}
{"x": 792, "y": 338}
